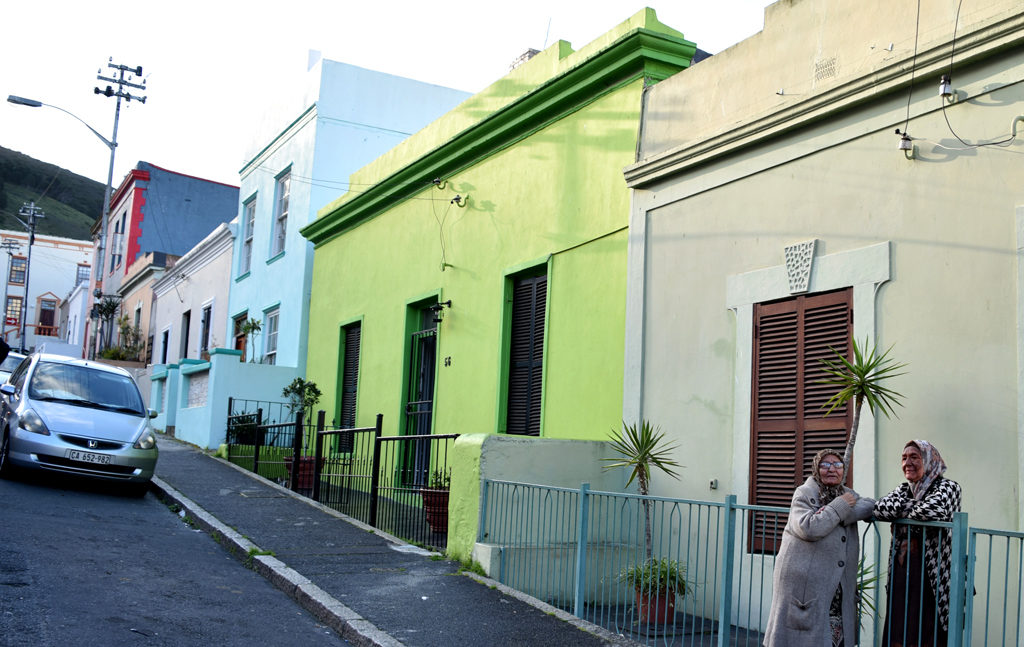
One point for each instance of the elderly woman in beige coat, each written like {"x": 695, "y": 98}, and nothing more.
{"x": 814, "y": 602}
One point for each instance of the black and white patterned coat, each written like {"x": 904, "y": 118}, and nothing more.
{"x": 939, "y": 503}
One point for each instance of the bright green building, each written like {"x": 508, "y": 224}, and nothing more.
{"x": 507, "y": 220}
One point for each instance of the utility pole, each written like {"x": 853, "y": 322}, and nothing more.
{"x": 31, "y": 212}
{"x": 10, "y": 246}
{"x": 122, "y": 82}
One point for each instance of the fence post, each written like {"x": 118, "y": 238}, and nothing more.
{"x": 958, "y": 579}
{"x": 581, "y": 548}
{"x": 375, "y": 471}
{"x": 318, "y": 444}
{"x": 485, "y": 487}
{"x": 728, "y": 554}
{"x": 296, "y": 452}
{"x": 227, "y": 427}
{"x": 257, "y": 441}
{"x": 972, "y": 558}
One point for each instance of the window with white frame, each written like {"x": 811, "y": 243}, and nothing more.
{"x": 283, "y": 193}
{"x": 13, "y": 311}
{"x": 117, "y": 245}
{"x": 19, "y": 265}
{"x": 83, "y": 274}
{"x": 270, "y": 336}
{"x": 250, "y": 224}
{"x": 186, "y": 325}
{"x": 204, "y": 331}
{"x": 165, "y": 341}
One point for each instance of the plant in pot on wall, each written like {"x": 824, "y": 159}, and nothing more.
{"x": 251, "y": 329}
{"x": 657, "y": 581}
{"x": 435, "y": 499}
{"x": 302, "y": 396}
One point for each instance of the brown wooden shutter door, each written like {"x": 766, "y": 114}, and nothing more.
{"x": 788, "y": 422}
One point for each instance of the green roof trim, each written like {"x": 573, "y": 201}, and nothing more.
{"x": 638, "y": 54}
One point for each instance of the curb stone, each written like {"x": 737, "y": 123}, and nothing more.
{"x": 344, "y": 621}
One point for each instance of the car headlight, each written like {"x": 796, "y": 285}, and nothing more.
{"x": 30, "y": 421}
{"x": 146, "y": 440}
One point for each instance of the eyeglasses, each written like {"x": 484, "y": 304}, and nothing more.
{"x": 825, "y": 466}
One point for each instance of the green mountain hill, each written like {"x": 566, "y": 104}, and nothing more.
{"x": 71, "y": 203}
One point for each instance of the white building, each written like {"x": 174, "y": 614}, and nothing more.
{"x": 56, "y": 267}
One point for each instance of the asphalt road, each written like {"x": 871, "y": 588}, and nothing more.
{"x": 82, "y": 565}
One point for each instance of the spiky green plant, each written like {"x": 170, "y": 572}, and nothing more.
{"x": 640, "y": 448}
{"x": 867, "y": 580}
{"x": 861, "y": 380}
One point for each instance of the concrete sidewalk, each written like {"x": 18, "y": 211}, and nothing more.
{"x": 369, "y": 587}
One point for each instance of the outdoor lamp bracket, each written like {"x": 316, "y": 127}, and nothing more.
{"x": 438, "y": 309}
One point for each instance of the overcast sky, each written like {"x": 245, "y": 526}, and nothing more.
{"x": 211, "y": 67}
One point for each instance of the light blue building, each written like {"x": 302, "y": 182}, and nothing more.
{"x": 352, "y": 116}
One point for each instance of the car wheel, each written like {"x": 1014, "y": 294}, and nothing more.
{"x": 6, "y": 469}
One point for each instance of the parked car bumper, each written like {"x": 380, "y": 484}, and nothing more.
{"x": 33, "y": 451}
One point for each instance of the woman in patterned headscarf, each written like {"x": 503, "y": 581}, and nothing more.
{"x": 815, "y": 579}
{"x": 916, "y": 614}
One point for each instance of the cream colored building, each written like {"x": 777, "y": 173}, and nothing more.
{"x": 787, "y": 141}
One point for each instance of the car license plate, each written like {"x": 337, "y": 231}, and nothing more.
{"x": 88, "y": 457}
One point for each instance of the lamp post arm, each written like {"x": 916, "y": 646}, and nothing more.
{"x": 103, "y": 139}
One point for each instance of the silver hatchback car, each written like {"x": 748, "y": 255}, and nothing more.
{"x": 78, "y": 417}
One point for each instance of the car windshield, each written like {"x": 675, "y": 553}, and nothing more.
{"x": 85, "y": 386}
{"x": 11, "y": 363}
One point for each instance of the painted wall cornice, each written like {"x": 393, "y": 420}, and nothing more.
{"x": 639, "y": 54}
{"x": 988, "y": 40}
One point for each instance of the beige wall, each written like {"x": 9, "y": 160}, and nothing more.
{"x": 930, "y": 244}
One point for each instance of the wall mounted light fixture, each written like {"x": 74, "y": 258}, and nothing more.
{"x": 438, "y": 309}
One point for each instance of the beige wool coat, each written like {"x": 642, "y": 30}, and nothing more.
{"x": 820, "y": 550}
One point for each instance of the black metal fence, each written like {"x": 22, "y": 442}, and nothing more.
{"x": 399, "y": 484}
{"x": 268, "y": 444}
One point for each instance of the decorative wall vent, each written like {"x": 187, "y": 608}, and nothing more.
{"x": 799, "y": 261}
{"x": 825, "y": 68}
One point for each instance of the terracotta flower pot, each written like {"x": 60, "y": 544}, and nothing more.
{"x": 656, "y": 607}
{"x": 435, "y": 505}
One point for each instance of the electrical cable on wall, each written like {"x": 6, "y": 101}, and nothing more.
{"x": 947, "y": 79}
{"x": 440, "y": 228}
{"x": 337, "y": 184}
{"x": 913, "y": 66}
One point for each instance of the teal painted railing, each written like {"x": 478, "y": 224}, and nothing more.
{"x": 995, "y": 569}
{"x": 569, "y": 547}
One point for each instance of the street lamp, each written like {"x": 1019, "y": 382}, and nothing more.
{"x": 110, "y": 143}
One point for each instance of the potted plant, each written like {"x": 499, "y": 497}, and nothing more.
{"x": 302, "y": 396}
{"x": 435, "y": 499}
{"x": 251, "y": 329}
{"x": 656, "y": 581}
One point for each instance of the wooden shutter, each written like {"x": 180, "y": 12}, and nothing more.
{"x": 789, "y": 423}
{"x": 526, "y": 355}
{"x": 349, "y": 382}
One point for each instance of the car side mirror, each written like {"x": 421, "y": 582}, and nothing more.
{"x": 150, "y": 412}
{"x": 8, "y": 389}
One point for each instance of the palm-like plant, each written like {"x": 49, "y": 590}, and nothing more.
{"x": 639, "y": 449}
{"x": 861, "y": 380}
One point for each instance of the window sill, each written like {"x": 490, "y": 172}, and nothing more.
{"x": 241, "y": 277}
{"x": 274, "y": 258}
